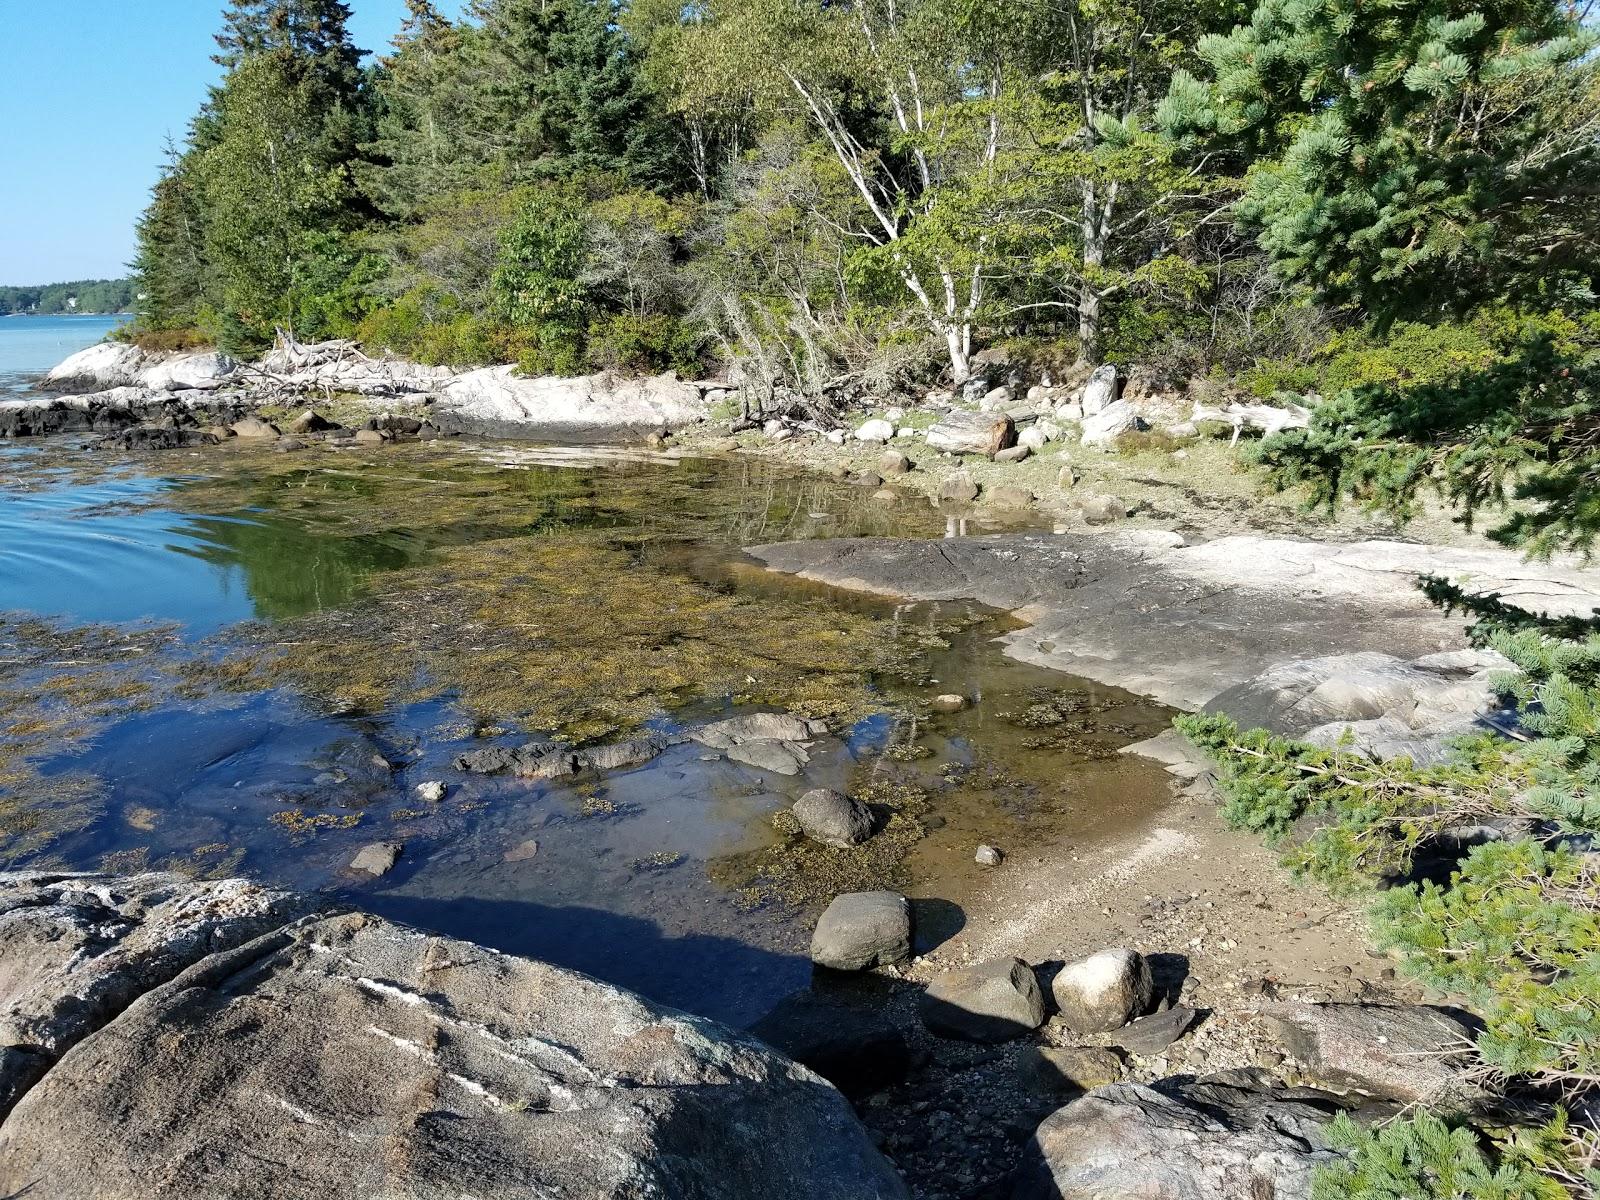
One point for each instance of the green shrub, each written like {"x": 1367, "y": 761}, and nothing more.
{"x": 657, "y": 342}
{"x": 1424, "y": 1159}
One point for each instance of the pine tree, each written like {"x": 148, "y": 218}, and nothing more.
{"x": 316, "y": 31}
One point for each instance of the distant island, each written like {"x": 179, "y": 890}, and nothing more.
{"x": 78, "y": 296}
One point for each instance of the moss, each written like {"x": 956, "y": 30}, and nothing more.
{"x": 302, "y": 824}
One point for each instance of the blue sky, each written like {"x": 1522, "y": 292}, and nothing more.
{"x": 93, "y": 89}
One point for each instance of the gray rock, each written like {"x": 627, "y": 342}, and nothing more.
{"x": 1009, "y": 496}
{"x": 875, "y": 430}
{"x": 991, "y": 1002}
{"x": 76, "y": 950}
{"x": 376, "y": 859}
{"x": 988, "y": 856}
{"x": 531, "y": 760}
{"x": 1100, "y": 391}
{"x": 961, "y": 432}
{"x": 1067, "y": 477}
{"x": 616, "y": 755}
{"x": 1411, "y": 1053}
{"x": 1034, "y": 438}
{"x": 950, "y": 702}
{"x": 1102, "y": 510}
{"x": 781, "y": 758}
{"x": 372, "y": 437}
{"x": 752, "y": 727}
{"x": 959, "y": 487}
{"x": 1104, "y": 991}
{"x": 1013, "y": 454}
{"x": 1127, "y": 1140}
{"x": 855, "y": 1049}
{"x": 1063, "y": 1070}
{"x": 309, "y": 421}
{"x": 432, "y": 791}
{"x": 1102, "y": 429}
{"x": 974, "y": 389}
{"x": 861, "y": 930}
{"x": 255, "y": 427}
{"x": 523, "y": 851}
{"x": 894, "y": 463}
{"x": 1149, "y": 1036}
{"x": 347, "y": 1057}
{"x": 833, "y": 818}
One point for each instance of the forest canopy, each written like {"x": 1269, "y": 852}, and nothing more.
{"x": 79, "y": 296}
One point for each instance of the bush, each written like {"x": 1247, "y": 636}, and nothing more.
{"x": 162, "y": 341}
{"x": 1424, "y": 1159}
{"x": 658, "y": 342}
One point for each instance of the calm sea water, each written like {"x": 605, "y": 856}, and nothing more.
{"x": 30, "y": 346}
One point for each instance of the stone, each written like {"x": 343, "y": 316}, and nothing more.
{"x": 346, "y": 1057}
{"x": 876, "y": 430}
{"x": 1101, "y": 430}
{"x": 376, "y": 859}
{"x": 309, "y": 421}
{"x": 1127, "y": 1140}
{"x": 371, "y": 437}
{"x": 859, "y": 930}
{"x": 531, "y": 760}
{"x": 886, "y": 495}
{"x": 77, "y": 950}
{"x": 1104, "y": 991}
{"x": 894, "y": 463}
{"x": 959, "y": 488}
{"x": 288, "y": 445}
{"x": 973, "y": 390}
{"x": 523, "y": 851}
{"x": 950, "y": 702}
{"x": 497, "y": 401}
{"x": 782, "y": 434}
{"x": 1032, "y": 439}
{"x": 1149, "y": 1036}
{"x": 868, "y": 479}
{"x": 751, "y": 727}
{"x": 988, "y": 856}
{"x": 1100, "y": 392}
{"x": 631, "y": 753}
{"x": 835, "y": 437}
{"x": 1067, "y": 477}
{"x": 773, "y": 426}
{"x": 1102, "y": 510}
{"x": 778, "y": 757}
{"x": 431, "y": 791}
{"x": 1063, "y": 1070}
{"x": 994, "y": 397}
{"x": 1069, "y": 413}
{"x": 832, "y": 818}
{"x": 1013, "y": 455}
{"x": 855, "y": 1049}
{"x": 894, "y": 413}
{"x": 255, "y": 427}
{"x": 1411, "y": 1053}
{"x": 1010, "y": 496}
{"x": 961, "y": 432}
{"x": 993, "y": 1001}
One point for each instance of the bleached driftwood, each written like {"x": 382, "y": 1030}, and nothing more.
{"x": 1268, "y": 418}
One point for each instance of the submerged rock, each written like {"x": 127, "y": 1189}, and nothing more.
{"x": 346, "y": 1057}
{"x": 991, "y": 1002}
{"x": 531, "y": 760}
{"x": 377, "y": 859}
{"x": 863, "y": 929}
{"x": 960, "y": 488}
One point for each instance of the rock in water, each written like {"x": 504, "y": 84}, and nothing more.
{"x": 1127, "y": 1140}
{"x": 346, "y": 1057}
{"x": 1101, "y": 390}
{"x": 991, "y": 1002}
{"x": 1104, "y": 991}
{"x": 972, "y": 433}
{"x": 856, "y": 1050}
{"x": 1008, "y": 496}
{"x": 950, "y": 702}
{"x": 960, "y": 488}
{"x": 310, "y": 421}
{"x": 833, "y": 818}
{"x": 1410, "y": 1052}
{"x": 255, "y": 427}
{"x": 432, "y": 791}
{"x": 863, "y": 929}
{"x": 377, "y": 859}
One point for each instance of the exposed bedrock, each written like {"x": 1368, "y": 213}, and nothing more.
{"x": 200, "y": 1040}
{"x": 1305, "y": 637}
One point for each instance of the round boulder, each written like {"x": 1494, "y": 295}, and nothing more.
{"x": 894, "y": 463}
{"x": 863, "y": 929}
{"x": 991, "y": 1002}
{"x": 833, "y": 818}
{"x": 1104, "y": 991}
{"x": 875, "y": 430}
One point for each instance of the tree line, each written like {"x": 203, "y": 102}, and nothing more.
{"x": 82, "y": 296}
{"x": 1372, "y": 202}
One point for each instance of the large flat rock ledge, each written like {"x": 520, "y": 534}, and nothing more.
{"x": 166, "y": 1038}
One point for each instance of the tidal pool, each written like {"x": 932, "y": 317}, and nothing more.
{"x": 242, "y": 662}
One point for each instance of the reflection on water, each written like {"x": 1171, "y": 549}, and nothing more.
{"x": 611, "y": 873}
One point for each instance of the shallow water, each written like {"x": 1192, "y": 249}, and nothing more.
{"x": 30, "y": 346}
{"x": 150, "y": 748}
